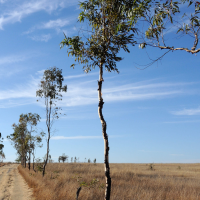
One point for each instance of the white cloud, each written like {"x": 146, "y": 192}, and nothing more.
{"x": 80, "y": 75}
{"x": 3, "y": 1}
{"x": 52, "y": 24}
{"x": 13, "y": 59}
{"x": 182, "y": 122}
{"x": 84, "y": 92}
{"x": 81, "y": 137}
{"x": 195, "y": 111}
{"x": 43, "y": 38}
{"x": 24, "y": 8}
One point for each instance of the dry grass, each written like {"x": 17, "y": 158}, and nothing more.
{"x": 2, "y": 164}
{"x": 129, "y": 181}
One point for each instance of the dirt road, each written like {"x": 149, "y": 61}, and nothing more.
{"x": 12, "y": 185}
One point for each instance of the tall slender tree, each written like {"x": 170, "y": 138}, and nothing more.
{"x": 50, "y": 88}
{"x": 108, "y": 36}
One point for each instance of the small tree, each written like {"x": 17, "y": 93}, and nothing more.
{"x": 88, "y": 160}
{"x": 95, "y": 161}
{"x": 75, "y": 159}
{"x": 51, "y": 88}
{"x": 71, "y": 159}
{"x": 63, "y": 157}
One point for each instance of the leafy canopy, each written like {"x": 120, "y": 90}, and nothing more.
{"x": 110, "y": 32}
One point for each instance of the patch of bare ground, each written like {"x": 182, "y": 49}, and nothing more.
{"x": 12, "y": 185}
{"x": 129, "y": 181}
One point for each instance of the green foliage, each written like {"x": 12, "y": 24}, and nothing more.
{"x": 109, "y": 36}
{"x": 89, "y": 185}
{"x": 51, "y": 88}
{"x": 22, "y": 138}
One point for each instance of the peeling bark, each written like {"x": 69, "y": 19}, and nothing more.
{"x": 105, "y": 136}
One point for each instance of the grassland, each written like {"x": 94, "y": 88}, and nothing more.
{"x": 2, "y": 164}
{"x": 129, "y": 181}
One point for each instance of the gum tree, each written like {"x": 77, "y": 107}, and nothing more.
{"x": 109, "y": 34}
{"x": 32, "y": 121}
{"x": 23, "y": 140}
{"x": 50, "y": 89}
{"x": 163, "y": 17}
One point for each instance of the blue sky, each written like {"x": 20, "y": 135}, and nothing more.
{"x": 152, "y": 115}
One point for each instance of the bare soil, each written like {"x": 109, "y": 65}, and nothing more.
{"x": 12, "y": 185}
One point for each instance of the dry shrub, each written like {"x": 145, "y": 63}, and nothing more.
{"x": 129, "y": 181}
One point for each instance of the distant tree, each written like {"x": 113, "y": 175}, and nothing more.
{"x": 71, "y": 159}
{"x": 59, "y": 159}
{"x": 85, "y": 159}
{"x": 50, "y": 88}
{"x": 75, "y": 159}
{"x": 34, "y": 141}
{"x": 89, "y": 161}
{"x": 18, "y": 159}
{"x": 63, "y": 157}
{"x": 2, "y": 155}
{"x": 23, "y": 139}
{"x": 20, "y": 140}
{"x": 95, "y": 161}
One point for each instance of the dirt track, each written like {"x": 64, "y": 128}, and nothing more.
{"x": 12, "y": 185}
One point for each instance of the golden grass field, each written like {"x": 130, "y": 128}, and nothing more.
{"x": 129, "y": 181}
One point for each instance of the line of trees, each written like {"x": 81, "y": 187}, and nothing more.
{"x": 113, "y": 27}
{"x": 24, "y": 139}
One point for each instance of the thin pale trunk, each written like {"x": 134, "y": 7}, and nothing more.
{"x": 29, "y": 161}
{"x": 105, "y": 136}
{"x": 33, "y": 160}
{"x": 48, "y": 125}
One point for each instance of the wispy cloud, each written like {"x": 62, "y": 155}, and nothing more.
{"x": 52, "y": 24}
{"x": 80, "y": 75}
{"x": 13, "y": 59}
{"x": 195, "y": 111}
{"x": 84, "y": 92}
{"x": 3, "y": 1}
{"x": 43, "y": 38}
{"x": 182, "y": 122}
{"x": 24, "y": 8}
{"x": 82, "y": 137}
{"x": 176, "y": 155}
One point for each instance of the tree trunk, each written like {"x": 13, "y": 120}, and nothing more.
{"x": 45, "y": 163}
{"x": 105, "y": 136}
{"x": 29, "y": 161}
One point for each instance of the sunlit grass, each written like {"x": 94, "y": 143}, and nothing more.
{"x": 129, "y": 181}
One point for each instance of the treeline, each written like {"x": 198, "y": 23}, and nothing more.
{"x": 24, "y": 138}
{"x": 64, "y": 158}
